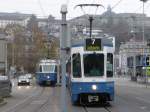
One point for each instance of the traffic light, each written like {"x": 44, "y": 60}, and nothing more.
{"x": 147, "y": 61}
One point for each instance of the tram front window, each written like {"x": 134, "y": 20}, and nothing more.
{"x": 48, "y": 68}
{"x": 93, "y": 65}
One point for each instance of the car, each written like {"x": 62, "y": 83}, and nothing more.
{"x": 23, "y": 80}
{"x": 5, "y": 86}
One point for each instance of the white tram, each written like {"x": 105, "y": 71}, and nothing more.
{"x": 90, "y": 70}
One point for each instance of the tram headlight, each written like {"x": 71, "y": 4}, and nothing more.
{"x": 94, "y": 87}
{"x": 48, "y": 77}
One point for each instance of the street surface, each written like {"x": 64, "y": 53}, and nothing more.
{"x": 130, "y": 97}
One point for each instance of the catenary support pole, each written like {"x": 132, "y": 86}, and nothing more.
{"x": 143, "y": 33}
{"x": 63, "y": 57}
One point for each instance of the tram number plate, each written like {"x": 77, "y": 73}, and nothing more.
{"x": 92, "y": 98}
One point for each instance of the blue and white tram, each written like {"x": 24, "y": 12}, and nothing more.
{"x": 47, "y": 72}
{"x": 90, "y": 70}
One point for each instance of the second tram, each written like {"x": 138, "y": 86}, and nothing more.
{"x": 47, "y": 72}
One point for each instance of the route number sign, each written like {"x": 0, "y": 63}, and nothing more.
{"x": 93, "y": 44}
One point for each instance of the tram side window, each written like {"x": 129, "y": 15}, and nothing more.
{"x": 40, "y": 69}
{"x": 68, "y": 67}
{"x": 109, "y": 65}
{"x": 56, "y": 68}
{"x": 76, "y": 65}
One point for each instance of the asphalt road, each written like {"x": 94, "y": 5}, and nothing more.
{"x": 130, "y": 97}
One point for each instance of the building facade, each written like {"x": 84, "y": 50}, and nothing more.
{"x": 3, "y": 55}
{"x": 50, "y": 26}
{"x": 132, "y": 56}
{"x": 14, "y": 18}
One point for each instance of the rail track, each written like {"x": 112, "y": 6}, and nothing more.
{"x": 20, "y": 107}
{"x": 97, "y": 108}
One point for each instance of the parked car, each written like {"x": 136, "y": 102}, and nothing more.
{"x": 5, "y": 86}
{"x": 23, "y": 80}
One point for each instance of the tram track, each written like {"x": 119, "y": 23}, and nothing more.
{"x": 39, "y": 97}
{"x": 25, "y": 103}
{"x": 107, "y": 109}
{"x": 100, "y": 109}
{"x": 39, "y": 109}
{"x": 85, "y": 108}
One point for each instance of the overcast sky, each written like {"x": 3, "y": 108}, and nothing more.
{"x": 47, "y": 7}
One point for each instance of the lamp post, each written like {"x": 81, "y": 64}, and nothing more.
{"x": 143, "y": 33}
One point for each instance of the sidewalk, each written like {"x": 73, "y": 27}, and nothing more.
{"x": 126, "y": 81}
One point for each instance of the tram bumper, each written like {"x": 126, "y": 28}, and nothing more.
{"x": 92, "y": 91}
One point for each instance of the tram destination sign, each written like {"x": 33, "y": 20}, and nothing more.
{"x": 93, "y": 44}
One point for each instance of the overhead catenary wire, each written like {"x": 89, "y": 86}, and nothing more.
{"x": 100, "y": 16}
{"x": 93, "y": 1}
{"x": 140, "y": 7}
{"x": 90, "y": 7}
{"x": 41, "y": 8}
{"x": 116, "y": 4}
{"x": 148, "y": 5}
{"x": 67, "y": 2}
{"x": 137, "y": 9}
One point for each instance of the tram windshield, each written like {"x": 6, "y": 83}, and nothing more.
{"x": 48, "y": 68}
{"x": 93, "y": 65}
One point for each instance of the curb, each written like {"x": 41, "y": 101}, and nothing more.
{"x": 3, "y": 103}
